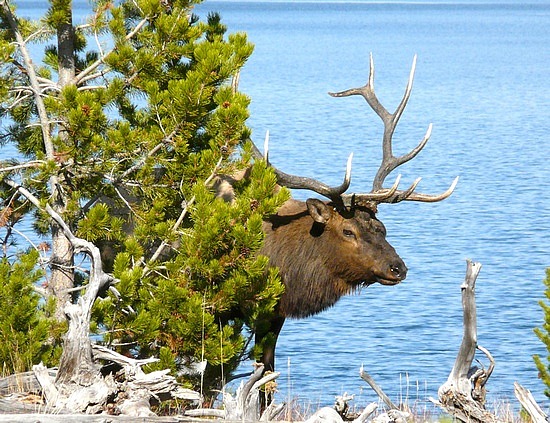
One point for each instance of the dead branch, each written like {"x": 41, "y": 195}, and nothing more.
{"x": 82, "y": 76}
{"x": 463, "y": 395}
{"x": 395, "y": 414}
{"x": 79, "y": 385}
{"x": 329, "y": 414}
{"x": 245, "y": 405}
{"x": 158, "y": 384}
{"x": 33, "y": 79}
{"x": 32, "y": 163}
{"x": 376, "y": 388}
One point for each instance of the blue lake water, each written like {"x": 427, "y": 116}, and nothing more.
{"x": 483, "y": 80}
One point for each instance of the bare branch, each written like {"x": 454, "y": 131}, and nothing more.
{"x": 463, "y": 394}
{"x": 529, "y": 403}
{"x": 376, "y": 388}
{"x": 96, "y": 270}
{"x": 466, "y": 353}
{"x": 33, "y": 163}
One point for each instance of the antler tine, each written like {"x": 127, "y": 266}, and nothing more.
{"x": 379, "y": 196}
{"x": 389, "y": 161}
{"x": 428, "y": 198}
{"x": 302, "y": 182}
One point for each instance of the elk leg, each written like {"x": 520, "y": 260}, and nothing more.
{"x": 268, "y": 339}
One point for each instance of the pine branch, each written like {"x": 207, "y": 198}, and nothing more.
{"x": 101, "y": 61}
{"x": 117, "y": 180}
{"x": 182, "y": 215}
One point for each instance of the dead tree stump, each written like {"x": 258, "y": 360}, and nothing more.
{"x": 463, "y": 395}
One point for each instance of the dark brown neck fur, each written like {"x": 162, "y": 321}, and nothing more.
{"x": 310, "y": 286}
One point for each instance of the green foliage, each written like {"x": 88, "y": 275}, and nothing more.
{"x": 544, "y": 335}
{"x": 131, "y": 133}
{"x": 26, "y": 330}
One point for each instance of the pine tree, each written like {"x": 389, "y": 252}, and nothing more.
{"x": 123, "y": 127}
{"x": 544, "y": 335}
{"x": 26, "y": 322}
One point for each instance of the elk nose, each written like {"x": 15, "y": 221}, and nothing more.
{"x": 399, "y": 270}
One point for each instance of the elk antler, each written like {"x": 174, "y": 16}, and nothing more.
{"x": 302, "y": 182}
{"x": 389, "y": 161}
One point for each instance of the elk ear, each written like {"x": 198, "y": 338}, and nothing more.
{"x": 319, "y": 210}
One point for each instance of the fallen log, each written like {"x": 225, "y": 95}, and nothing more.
{"x": 22, "y": 382}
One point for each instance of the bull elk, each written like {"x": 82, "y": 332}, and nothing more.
{"x": 327, "y": 249}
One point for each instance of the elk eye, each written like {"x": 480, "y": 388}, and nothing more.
{"x": 348, "y": 233}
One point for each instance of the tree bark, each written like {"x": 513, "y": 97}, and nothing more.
{"x": 62, "y": 269}
{"x": 62, "y": 260}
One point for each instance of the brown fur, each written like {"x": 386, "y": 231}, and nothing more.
{"x": 323, "y": 254}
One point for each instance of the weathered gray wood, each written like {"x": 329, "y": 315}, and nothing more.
{"x": 85, "y": 418}
{"x": 467, "y": 350}
{"x": 79, "y": 385}
{"x": 376, "y": 388}
{"x": 463, "y": 394}
{"x": 529, "y": 404}
{"x": 245, "y": 405}
{"x": 158, "y": 384}
{"x": 330, "y": 415}
{"x": 20, "y": 404}
{"x": 50, "y": 392}
{"x": 22, "y": 382}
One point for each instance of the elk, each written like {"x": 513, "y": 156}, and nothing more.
{"x": 327, "y": 249}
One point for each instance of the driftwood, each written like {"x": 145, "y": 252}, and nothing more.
{"x": 83, "y": 418}
{"x": 339, "y": 414}
{"x": 376, "y": 388}
{"x": 331, "y": 415}
{"x": 463, "y": 394}
{"x": 245, "y": 405}
{"x": 395, "y": 414}
{"x": 22, "y": 382}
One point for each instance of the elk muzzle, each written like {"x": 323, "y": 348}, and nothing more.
{"x": 395, "y": 273}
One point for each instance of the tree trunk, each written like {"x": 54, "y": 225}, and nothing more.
{"x": 62, "y": 260}
{"x": 62, "y": 269}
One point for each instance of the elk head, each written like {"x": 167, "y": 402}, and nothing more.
{"x": 327, "y": 248}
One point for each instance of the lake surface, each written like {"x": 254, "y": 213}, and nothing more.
{"x": 483, "y": 80}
